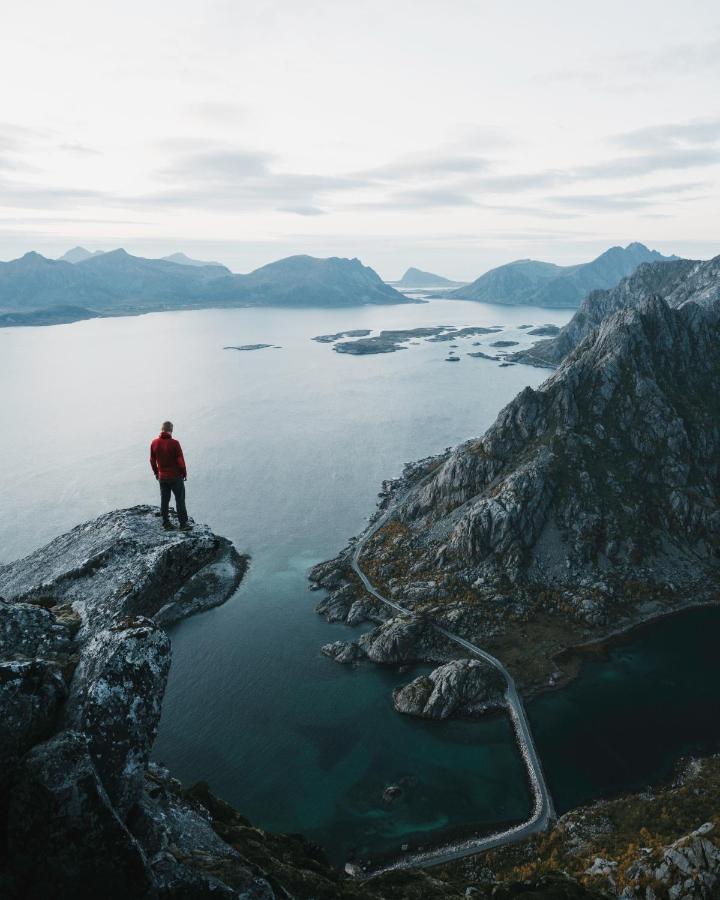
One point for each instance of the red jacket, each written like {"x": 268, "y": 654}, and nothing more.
{"x": 166, "y": 458}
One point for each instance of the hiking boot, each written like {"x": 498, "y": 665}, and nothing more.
{"x": 186, "y": 527}
{"x": 168, "y": 526}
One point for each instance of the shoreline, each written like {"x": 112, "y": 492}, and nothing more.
{"x": 131, "y": 312}
{"x": 575, "y": 653}
{"x": 467, "y": 837}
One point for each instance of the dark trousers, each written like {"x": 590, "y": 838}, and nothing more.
{"x": 177, "y": 487}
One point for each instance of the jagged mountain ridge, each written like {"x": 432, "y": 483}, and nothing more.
{"x": 183, "y": 259}
{"x": 582, "y": 454}
{"x": 591, "y": 503}
{"x": 537, "y": 283}
{"x": 679, "y": 281}
{"x": 308, "y": 281}
{"x": 79, "y": 254}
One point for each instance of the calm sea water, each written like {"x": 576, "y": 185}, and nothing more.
{"x": 286, "y": 450}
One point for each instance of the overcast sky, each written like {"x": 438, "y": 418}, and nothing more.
{"x": 452, "y": 135}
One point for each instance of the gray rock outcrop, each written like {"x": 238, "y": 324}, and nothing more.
{"x": 460, "y": 688}
{"x": 83, "y": 669}
{"x": 123, "y": 564}
{"x": 677, "y": 282}
{"x": 116, "y": 701}
{"x": 64, "y": 832}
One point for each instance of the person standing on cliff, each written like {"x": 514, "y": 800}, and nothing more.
{"x": 168, "y": 465}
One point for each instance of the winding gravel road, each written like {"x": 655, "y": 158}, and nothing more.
{"x": 543, "y": 810}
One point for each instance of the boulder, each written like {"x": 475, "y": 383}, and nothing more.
{"x": 125, "y": 564}
{"x": 30, "y": 630}
{"x": 463, "y": 687}
{"x": 31, "y": 694}
{"x": 64, "y": 837}
{"x": 116, "y": 700}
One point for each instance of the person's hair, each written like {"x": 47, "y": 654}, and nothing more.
{"x": 167, "y": 426}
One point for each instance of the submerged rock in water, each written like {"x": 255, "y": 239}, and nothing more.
{"x": 391, "y": 792}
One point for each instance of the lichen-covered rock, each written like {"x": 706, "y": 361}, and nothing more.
{"x": 124, "y": 564}
{"x": 64, "y": 837}
{"x": 397, "y": 641}
{"x": 31, "y": 694}
{"x": 343, "y": 651}
{"x": 29, "y": 630}
{"x": 687, "y": 869}
{"x": 187, "y": 855}
{"x": 116, "y": 701}
{"x": 335, "y": 607}
{"x": 462, "y": 687}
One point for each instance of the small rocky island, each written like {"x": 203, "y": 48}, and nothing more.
{"x": 390, "y": 341}
{"x": 253, "y": 347}
{"x": 332, "y": 338}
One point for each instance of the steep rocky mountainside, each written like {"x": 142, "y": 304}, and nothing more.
{"x": 677, "y": 282}
{"x": 658, "y": 845}
{"x": 591, "y": 503}
{"x": 535, "y": 283}
{"x": 83, "y": 668}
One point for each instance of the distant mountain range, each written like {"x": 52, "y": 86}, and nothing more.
{"x": 80, "y": 254}
{"x": 534, "y": 283}
{"x": 86, "y": 284}
{"x": 416, "y": 278}
{"x": 677, "y": 282}
{"x": 184, "y": 260}
{"x": 117, "y": 283}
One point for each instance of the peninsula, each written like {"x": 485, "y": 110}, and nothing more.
{"x": 556, "y": 527}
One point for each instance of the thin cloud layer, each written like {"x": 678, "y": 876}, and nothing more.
{"x": 324, "y": 130}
